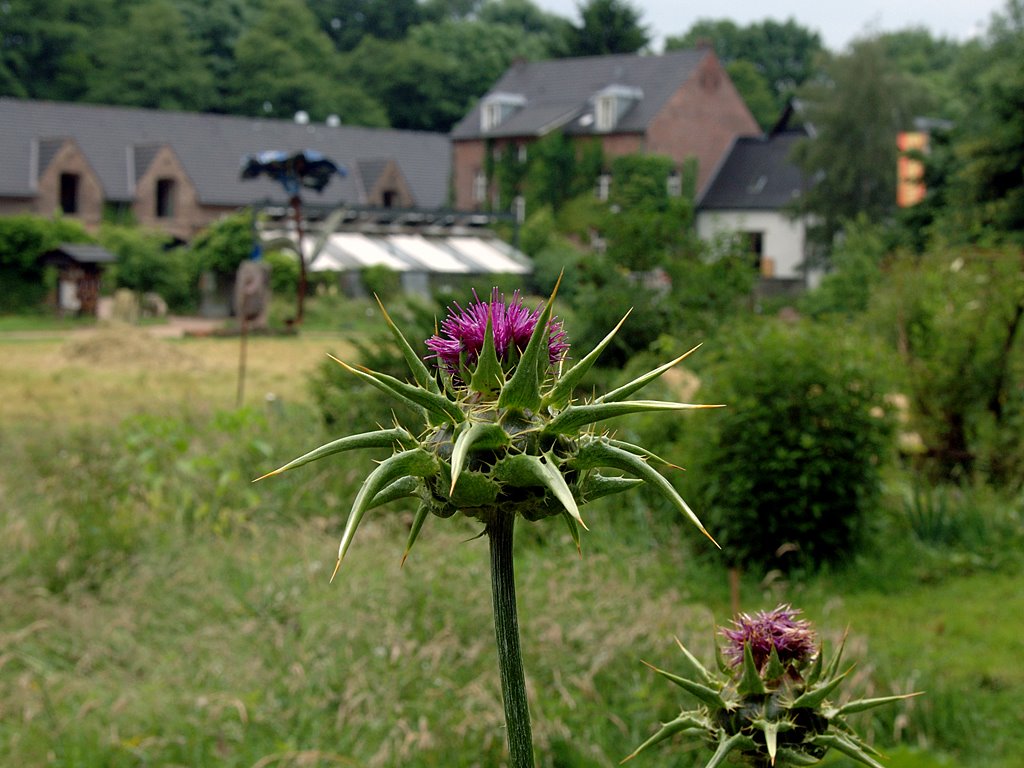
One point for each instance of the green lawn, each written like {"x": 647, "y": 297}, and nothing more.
{"x": 161, "y": 610}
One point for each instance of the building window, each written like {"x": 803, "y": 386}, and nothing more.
{"x": 497, "y": 107}
{"x": 69, "y": 192}
{"x": 605, "y": 113}
{"x": 674, "y": 184}
{"x": 164, "y": 198}
{"x": 479, "y": 187}
{"x": 753, "y": 243}
{"x": 522, "y": 153}
{"x": 389, "y": 197}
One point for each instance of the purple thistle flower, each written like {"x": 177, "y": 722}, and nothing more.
{"x": 462, "y": 332}
{"x": 793, "y": 639}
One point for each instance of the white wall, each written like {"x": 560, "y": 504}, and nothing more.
{"x": 783, "y": 237}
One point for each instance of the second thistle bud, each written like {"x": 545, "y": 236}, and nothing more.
{"x": 772, "y": 701}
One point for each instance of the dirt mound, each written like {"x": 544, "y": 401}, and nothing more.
{"x": 126, "y": 345}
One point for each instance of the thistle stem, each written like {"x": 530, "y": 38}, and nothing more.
{"x": 506, "y": 631}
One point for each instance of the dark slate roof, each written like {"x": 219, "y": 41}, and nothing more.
{"x": 559, "y": 92}
{"x": 84, "y": 254}
{"x": 210, "y": 147}
{"x": 370, "y": 171}
{"x": 756, "y": 174}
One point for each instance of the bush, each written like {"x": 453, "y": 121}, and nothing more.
{"x": 284, "y": 273}
{"x": 789, "y": 469}
{"x": 345, "y": 400}
{"x": 956, "y": 318}
{"x": 225, "y": 244}
{"x": 146, "y": 262}
{"x": 23, "y": 239}
{"x": 381, "y": 281}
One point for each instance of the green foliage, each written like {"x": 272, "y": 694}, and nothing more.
{"x": 607, "y": 27}
{"x": 348, "y": 22}
{"x": 23, "y": 239}
{"x": 284, "y": 273}
{"x": 989, "y": 183}
{"x": 225, "y": 244}
{"x": 955, "y": 316}
{"x": 147, "y": 262}
{"x": 285, "y": 63}
{"x": 784, "y": 54}
{"x": 510, "y": 175}
{"x": 346, "y": 402}
{"x": 755, "y": 92}
{"x": 536, "y": 231}
{"x": 552, "y": 175}
{"x": 856, "y": 270}
{"x": 857, "y": 111}
{"x": 151, "y": 61}
{"x": 646, "y": 227}
{"x": 790, "y": 470}
{"x": 382, "y": 281}
{"x": 559, "y": 258}
{"x": 258, "y": 669}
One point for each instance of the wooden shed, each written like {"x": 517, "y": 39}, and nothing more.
{"x": 79, "y": 268}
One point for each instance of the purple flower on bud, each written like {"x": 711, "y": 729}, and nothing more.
{"x": 462, "y": 332}
{"x": 793, "y": 639}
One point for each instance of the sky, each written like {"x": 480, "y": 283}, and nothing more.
{"x": 837, "y": 22}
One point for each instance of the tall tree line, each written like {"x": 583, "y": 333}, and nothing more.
{"x": 415, "y": 64}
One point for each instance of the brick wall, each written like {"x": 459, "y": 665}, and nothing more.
{"x": 467, "y": 160}
{"x": 69, "y": 160}
{"x": 701, "y": 120}
{"x": 187, "y": 215}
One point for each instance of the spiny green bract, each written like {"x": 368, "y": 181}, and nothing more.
{"x": 502, "y": 438}
{"x": 769, "y": 704}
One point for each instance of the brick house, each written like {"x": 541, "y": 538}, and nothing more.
{"x": 681, "y": 104}
{"x": 179, "y": 171}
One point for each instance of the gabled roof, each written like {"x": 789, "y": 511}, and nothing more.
{"x": 560, "y": 93}
{"x": 757, "y": 174}
{"x": 210, "y": 148}
{"x": 81, "y": 253}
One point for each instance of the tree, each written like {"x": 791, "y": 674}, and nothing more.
{"x": 429, "y": 80}
{"x": 755, "y": 91}
{"x": 348, "y": 22}
{"x": 550, "y": 29}
{"x": 410, "y": 81}
{"x": 608, "y": 26}
{"x": 46, "y": 46}
{"x": 785, "y": 54}
{"x": 851, "y": 161}
{"x": 286, "y": 64}
{"x": 478, "y": 66}
{"x": 215, "y": 27}
{"x": 151, "y": 61}
{"x": 988, "y": 195}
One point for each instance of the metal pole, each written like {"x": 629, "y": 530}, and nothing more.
{"x": 296, "y": 203}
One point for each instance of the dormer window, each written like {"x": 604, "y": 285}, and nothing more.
{"x": 612, "y": 103}
{"x": 497, "y": 107}
{"x": 69, "y": 193}
{"x": 164, "y": 198}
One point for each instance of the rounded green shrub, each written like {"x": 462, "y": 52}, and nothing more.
{"x": 790, "y": 469}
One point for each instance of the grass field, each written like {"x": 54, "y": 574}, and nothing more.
{"x": 159, "y": 610}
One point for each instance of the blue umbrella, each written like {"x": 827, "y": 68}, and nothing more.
{"x": 307, "y": 168}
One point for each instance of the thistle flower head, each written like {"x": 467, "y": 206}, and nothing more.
{"x": 501, "y": 433}
{"x": 772, "y": 702}
{"x": 792, "y": 639}
{"x": 463, "y": 333}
